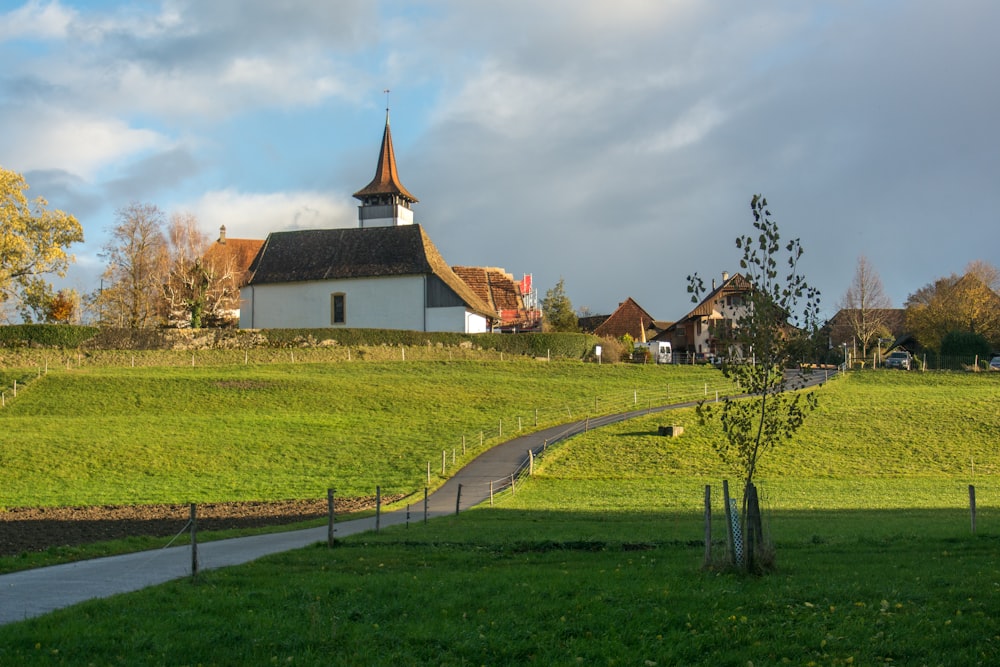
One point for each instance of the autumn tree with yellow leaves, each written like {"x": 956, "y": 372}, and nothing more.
{"x": 967, "y": 303}
{"x": 33, "y": 239}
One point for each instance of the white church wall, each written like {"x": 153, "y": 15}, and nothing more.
{"x": 369, "y": 303}
{"x": 376, "y": 303}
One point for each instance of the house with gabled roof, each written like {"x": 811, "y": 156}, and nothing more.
{"x": 228, "y": 262}
{"x": 629, "y": 318}
{"x": 511, "y": 300}
{"x": 385, "y": 274}
{"x": 696, "y": 333}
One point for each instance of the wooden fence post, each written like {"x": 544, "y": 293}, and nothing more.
{"x": 378, "y": 508}
{"x": 458, "y": 499}
{"x": 194, "y": 540}
{"x": 753, "y": 537}
{"x": 708, "y": 525}
{"x": 972, "y": 506}
{"x": 531, "y": 462}
{"x": 491, "y": 493}
{"x": 330, "y": 529}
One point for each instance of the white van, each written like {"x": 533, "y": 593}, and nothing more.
{"x": 659, "y": 351}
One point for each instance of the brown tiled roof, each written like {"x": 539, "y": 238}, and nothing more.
{"x": 332, "y": 254}
{"x": 737, "y": 284}
{"x": 240, "y": 252}
{"x": 497, "y": 289}
{"x": 386, "y": 181}
{"x": 494, "y": 286}
{"x": 630, "y": 318}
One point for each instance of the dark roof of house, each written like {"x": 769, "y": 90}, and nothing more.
{"x": 840, "y": 328}
{"x": 630, "y": 318}
{"x": 589, "y": 323}
{"x": 335, "y": 254}
{"x": 386, "y": 181}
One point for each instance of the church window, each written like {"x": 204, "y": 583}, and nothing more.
{"x": 338, "y": 308}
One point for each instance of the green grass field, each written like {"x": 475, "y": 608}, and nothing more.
{"x": 124, "y": 435}
{"x": 598, "y": 560}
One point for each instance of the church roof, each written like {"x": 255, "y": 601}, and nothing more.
{"x": 386, "y": 181}
{"x": 334, "y": 254}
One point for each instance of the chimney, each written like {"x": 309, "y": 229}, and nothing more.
{"x": 222, "y": 235}
{"x": 713, "y": 284}
{"x": 725, "y": 276}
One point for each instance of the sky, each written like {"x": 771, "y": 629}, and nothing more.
{"x": 613, "y": 145}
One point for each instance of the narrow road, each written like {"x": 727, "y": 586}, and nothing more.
{"x": 35, "y": 592}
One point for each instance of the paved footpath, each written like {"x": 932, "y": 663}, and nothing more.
{"x": 35, "y": 592}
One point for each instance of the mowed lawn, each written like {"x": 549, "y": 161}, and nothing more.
{"x": 598, "y": 559}
{"x": 124, "y": 435}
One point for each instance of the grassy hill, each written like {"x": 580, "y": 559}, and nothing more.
{"x": 598, "y": 560}
{"x": 118, "y": 434}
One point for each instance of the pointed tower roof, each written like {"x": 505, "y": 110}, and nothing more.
{"x": 386, "y": 181}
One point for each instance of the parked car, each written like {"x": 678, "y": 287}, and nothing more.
{"x": 899, "y": 359}
{"x": 995, "y": 363}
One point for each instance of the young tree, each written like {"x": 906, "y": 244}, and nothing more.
{"x": 781, "y": 310}
{"x": 33, "y": 240}
{"x": 136, "y": 255}
{"x": 866, "y": 305}
{"x": 557, "y": 310}
{"x": 64, "y": 307}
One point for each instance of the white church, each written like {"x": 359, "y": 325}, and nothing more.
{"x": 383, "y": 274}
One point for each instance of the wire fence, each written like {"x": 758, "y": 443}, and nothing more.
{"x": 577, "y": 416}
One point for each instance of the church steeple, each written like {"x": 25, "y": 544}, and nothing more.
{"x": 384, "y": 201}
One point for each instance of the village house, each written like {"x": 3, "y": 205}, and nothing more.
{"x": 696, "y": 335}
{"x": 632, "y": 319}
{"x": 228, "y": 261}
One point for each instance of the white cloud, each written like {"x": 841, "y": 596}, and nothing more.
{"x": 74, "y": 142}
{"x": 693, "y": 125}
{"x": 255, "y": 215}
{"x": 36, "y": 20}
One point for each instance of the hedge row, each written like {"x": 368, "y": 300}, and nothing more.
{"x": 566, "y": 345}
{"x": 45, "y": 335}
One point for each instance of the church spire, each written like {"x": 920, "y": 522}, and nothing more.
{"x": 384, "y": 201}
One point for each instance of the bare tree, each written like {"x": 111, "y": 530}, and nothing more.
{"x": 136, "y": 256}
{"x": 865, "y": 305}
{"x": 988, "y": 274}
{"x": 187, "y": 281}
